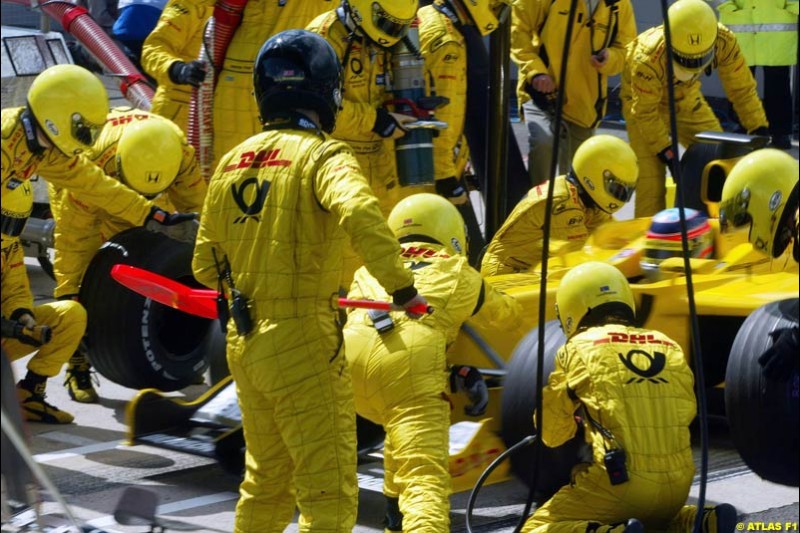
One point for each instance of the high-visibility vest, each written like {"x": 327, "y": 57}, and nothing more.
{"x": 765, "y": 29}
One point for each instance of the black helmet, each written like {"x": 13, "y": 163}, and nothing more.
{"x": 297, "y": 69}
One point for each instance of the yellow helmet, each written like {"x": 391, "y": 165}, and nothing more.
{"x": 590, "y": 292}
{"x": 486, "y": 14}
{"x": 70, "y": 104}
{"x": 16, "y": 208}
{"x": 383, "y": 21}
{"x": 693, "y": 26}
{"x": 607, "y": 169}
{"x": 149, "y": 155}
{"x": 761, "y": 191}
{"x": 426, "y": 217}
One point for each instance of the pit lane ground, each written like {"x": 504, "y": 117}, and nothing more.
{"x": 91, "y": 465}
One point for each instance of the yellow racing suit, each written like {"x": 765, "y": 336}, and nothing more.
{"x": 367, "y": 68}
{"x": 82, "y": 227}
{"x": 644, "y": 105}
{"x": 235, "y": 109}
{"x": 176, "y": 37}
{"x": 21, "y": 160}
{"x": 538, "y": 29}
{"x": 445, "y": 53}
{"x": 637, "y": 385}
{"x": 67, "y": 319}
{"x": 400, "y": 377}
{"x": 517, "y": 245}
{"x": 279, "y": 208}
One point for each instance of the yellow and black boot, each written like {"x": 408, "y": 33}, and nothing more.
{"x": 720, "y": 519}
{"x": 79, "y": 379}
{"x": 36, "y": 409}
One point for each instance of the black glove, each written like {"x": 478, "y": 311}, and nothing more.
{"x": 470, "y": 380}
{"x": 409, "y": 298}
{"x": 761, "y": 131}
{"x": 178, "y": 226}
{"x": 667, "y": 156}
{"x": 452, "y": 189}
{"x": 780, "y": 359}
{"x": 192, "y": 73}
{"x": 385, "y": 124}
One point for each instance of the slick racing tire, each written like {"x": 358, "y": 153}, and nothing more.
{"x": 518, "y": 403}
{"x": 763, "y": 413}
{"x": 134, "y": 341}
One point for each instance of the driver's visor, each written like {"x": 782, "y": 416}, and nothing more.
{"x": 388, "y": 24}
{"x": 617, "y": 188}
{"x": 694, "y": 63}
{"x": 84, "y": 131}
{"x": 734, "y": 212}
{"x": 12, "y": 226}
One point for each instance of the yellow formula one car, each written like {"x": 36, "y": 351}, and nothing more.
{"x": 164, "y": 349}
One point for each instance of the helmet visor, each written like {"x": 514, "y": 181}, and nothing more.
{"x": 617, "y": 188}
{"x": 12, "y": 226}
{"x": 733, "y": 213}
{"x": 84, "y": 131}
{"x": 696, "y": 63}
{"x": 388, "y": 24}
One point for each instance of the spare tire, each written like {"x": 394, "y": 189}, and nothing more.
{"x": 762, "y": 413}
{"x": 518, "y": 403}
{"x": 134, "y": 341}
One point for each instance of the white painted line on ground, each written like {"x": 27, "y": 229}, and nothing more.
{"x": 67, "y": 438}
{"x": 175, "y": 507}
{"x": 80, "y": 450}
{"x": 200, "y": 501}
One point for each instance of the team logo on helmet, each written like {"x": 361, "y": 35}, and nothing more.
{"x": 694, "y": 39}
{"x": 50, "y": 126}
{"x": 153, "y": 177}
{"x": 775, "y": 200}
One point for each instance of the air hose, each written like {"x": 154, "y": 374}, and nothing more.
{"x": 695, "y": 326}
{"x": 473, "y": 496}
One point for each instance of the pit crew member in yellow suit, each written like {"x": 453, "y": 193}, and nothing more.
{"x": 400, "y": 373}
{"x": 170, "y": 55}
{"x": 601, "y": 31}
{"x": 444, "y": 50}
{"x": 635, "y": 393}
{"x": 760, "y": 194}
{"x": 66, "y": 320}
{"x": 67, "y": 107}
{"x": 276, "y": 216}
{"x": 699, "y": 45}
{"x": 235, "y": 110}
{"x": 147, "y": 154}
{"x": 363, "y": 32}
{"x": 602, "y": 179}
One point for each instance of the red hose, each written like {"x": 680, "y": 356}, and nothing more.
{"x": 217, "y": 36}
{"x": 77, "y": 21}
